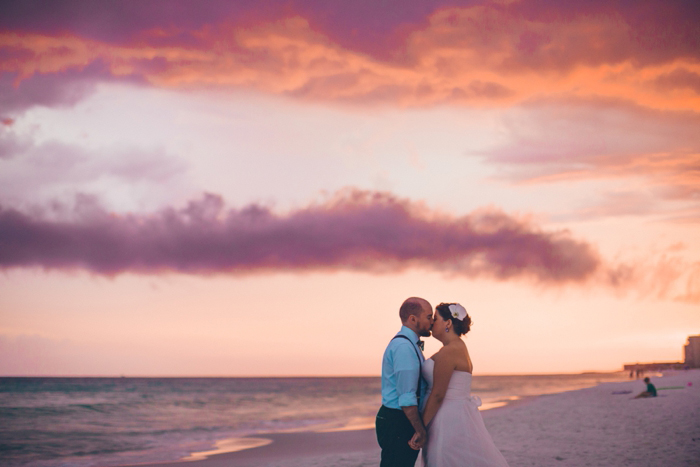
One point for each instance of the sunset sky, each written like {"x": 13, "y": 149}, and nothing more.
{"x": 254, "y": 187}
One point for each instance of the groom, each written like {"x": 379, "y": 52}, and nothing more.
{"x": 402, "y": 386}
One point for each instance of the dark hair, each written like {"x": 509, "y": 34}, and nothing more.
{"x": 412, "y": 306}
{"x": 461, "y": 326}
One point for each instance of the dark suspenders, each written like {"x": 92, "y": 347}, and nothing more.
{"x": 420, "y": 365}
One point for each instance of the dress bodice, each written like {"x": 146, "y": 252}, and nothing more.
{"x": 459, "y": 387}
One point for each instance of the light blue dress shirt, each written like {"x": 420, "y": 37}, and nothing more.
{"x": 400, "y": 370}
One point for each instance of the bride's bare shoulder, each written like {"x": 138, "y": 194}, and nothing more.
{"x": 440, "y": 354}
{"x": 447, "y": 352}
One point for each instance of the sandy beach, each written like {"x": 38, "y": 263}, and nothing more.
{"x": 598, "y": 426}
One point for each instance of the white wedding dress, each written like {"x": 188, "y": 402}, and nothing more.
{"x": 457, "y": 436}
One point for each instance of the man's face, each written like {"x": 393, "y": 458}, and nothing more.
{"x": 424, "y": 322}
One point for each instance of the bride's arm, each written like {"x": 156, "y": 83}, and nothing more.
{"x": 442, "y": 372}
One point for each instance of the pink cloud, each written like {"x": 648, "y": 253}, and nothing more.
{"x": 618, "y": 204}
{"x": 667, "y": 275}
{"x": 561, "y": 140}
{"x": 354, "y": 231}
{"x": 374, "y": 232}
{"x": 50, "y": 169}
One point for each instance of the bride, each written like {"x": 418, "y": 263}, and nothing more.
{"x": 457, "y": 436}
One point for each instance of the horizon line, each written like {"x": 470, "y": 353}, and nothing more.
{"x": 301, "y": 375}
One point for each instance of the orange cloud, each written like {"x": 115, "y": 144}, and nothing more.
{"x": 676, "y": 174}
{"x": 481, "y": 55}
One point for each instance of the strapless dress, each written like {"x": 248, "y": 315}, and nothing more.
{"x": 457, "y": 436}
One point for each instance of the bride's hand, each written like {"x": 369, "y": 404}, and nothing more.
{"x": 417, "y": 441}
{"x": 412, "y": 442}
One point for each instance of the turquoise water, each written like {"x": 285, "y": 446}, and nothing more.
{"x": 86, "y": 422}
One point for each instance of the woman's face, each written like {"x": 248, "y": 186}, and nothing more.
{"x": 438, "y": 324}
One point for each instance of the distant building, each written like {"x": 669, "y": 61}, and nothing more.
{"x": 692, "y": 352}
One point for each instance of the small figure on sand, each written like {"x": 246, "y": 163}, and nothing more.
{"x": 650, "y": 392}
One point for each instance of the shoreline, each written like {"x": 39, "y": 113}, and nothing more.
{"x": 598, "y": 425}
{"x": 237, "y": 449}
{"x": 289, "y": 449}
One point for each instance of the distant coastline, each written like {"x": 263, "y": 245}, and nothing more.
{"x": 691, "y": 352}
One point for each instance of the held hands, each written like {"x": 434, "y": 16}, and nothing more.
{"x": 418, "y": 440}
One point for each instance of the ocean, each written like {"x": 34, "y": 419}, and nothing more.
{"x": 86, "y": 422}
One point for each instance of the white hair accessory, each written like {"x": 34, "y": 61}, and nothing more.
{"x": 457, "y": 311}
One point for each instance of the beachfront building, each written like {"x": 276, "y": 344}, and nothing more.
{"x": 692, "y": 352}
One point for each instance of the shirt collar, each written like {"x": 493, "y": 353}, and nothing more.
{"x": 409, "y": 333}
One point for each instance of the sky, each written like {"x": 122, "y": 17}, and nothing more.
{"x": 214, "y": 188}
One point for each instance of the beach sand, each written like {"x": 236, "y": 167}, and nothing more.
{"x": 596, "y": 426}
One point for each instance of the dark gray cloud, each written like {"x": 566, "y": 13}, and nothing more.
{"x": 366, "y": 231}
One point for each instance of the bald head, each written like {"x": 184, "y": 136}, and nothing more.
{"x": 413, "y": 306}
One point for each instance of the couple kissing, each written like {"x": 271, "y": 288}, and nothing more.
{"x": 427, "y": 404}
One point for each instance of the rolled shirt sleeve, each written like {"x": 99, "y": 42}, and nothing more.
{"x": 406, "y": 370}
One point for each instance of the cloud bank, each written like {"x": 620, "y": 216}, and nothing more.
{"x": 459, "y": 53}
{"x": 364, "y": 231}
